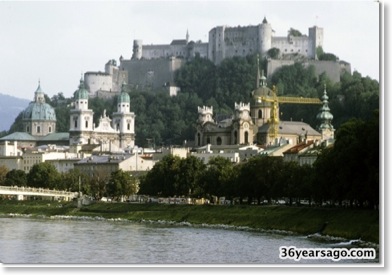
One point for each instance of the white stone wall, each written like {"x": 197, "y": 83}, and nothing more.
{"x": 97, "y": 81}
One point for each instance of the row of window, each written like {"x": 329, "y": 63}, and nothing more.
{"x": 38, "y": 129}
{"x": 219, "y": 139}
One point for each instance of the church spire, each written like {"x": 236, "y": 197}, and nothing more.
{"x": 325, "y": 118}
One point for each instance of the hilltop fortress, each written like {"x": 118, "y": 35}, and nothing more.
{"x": 153, "y": 66}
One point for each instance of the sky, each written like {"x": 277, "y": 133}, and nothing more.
{"x": 55, "y": 42}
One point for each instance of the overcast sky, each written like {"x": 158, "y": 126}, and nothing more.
{"x": 58, "y": 41}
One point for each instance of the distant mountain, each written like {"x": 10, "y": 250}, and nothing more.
{"x": 10, "y": 107}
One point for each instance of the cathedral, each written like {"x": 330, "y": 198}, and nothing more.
{"x": 111, "y": 134}
{"x": 258, "y": 122}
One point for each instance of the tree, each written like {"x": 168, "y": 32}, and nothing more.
{"x": 3, "y": 174}
{"x": 161, "y": 179}
{"x": 273, "y": 53}
{"x": 294, "y": 32}
{"x": 187, "y": 178}
{"x": 121, "y": 184}
{"x": 16, "y": 177}
{"x": 43, "y": 175}
{"x": 216, "y": 179}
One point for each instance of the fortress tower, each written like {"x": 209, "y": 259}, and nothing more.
{"x": 265, "y": 36}
{"x": 137, "y": 51}
{"x": 316, "y": 37}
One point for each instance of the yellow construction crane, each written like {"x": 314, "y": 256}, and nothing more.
{"x": 275, "y": 100}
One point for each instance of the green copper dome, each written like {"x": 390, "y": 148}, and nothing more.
{"x": 81, "y": 93}
{"x": 39, "y": 109}
{"x": 123, "y": 96}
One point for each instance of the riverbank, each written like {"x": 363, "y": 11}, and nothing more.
{"x": 342, "y": 222}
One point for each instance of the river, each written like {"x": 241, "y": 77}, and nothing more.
{"x": 86, "y": 241}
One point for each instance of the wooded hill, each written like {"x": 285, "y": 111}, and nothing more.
{"x": 165, "y": 120}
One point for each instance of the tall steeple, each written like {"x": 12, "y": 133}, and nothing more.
{"x": 325, "y": 117}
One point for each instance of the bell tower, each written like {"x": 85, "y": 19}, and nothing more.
{"x": 242, "y": 132}
{"x": 124, "y": 120}
{"x": 81, "y": 117}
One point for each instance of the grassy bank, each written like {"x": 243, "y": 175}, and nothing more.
{"x": 346, "y": 223}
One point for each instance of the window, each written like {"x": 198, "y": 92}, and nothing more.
{"x": 260, "y": 115}
{"x": 208, "y": 140}
{"x": 28, "y": 129}
{"x": 50, "y": 129}
{"x": 38, "y": 129}
{"x": 128, "y": 126}
{"x": 246, "y": 137}
{"x": 198, "y": 139}
{"x": 235, "y": 137}
{"x": 219, "y": 141}
{"x": 86, "y": 123}
{"x": 75, "y": 122}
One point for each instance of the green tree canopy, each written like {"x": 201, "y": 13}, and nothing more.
{"x": 16, "y": 177}
{"x": 43, "y": 175}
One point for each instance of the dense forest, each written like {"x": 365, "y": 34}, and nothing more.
{"x": 165, "y": 120}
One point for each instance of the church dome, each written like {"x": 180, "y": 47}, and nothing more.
{"x": 123, "y": 98}
{"x": 262, "y": 91}
{"x": 81, "y": 93}
{"x": 39, "y": 109}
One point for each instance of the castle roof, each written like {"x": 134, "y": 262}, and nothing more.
{"x": 179, "y": 42}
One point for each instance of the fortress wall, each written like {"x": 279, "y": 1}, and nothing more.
{"x": 97, "y": 81}
{"x": 159, "y": 51}
{"x": 151, "y": 73}
{"x": 241, "y": 41}
{"x": 291, "y": 45}
{"x": 201, "y": 48}
{"x": 273, "y": 65}
{"x": 331, "y": 68}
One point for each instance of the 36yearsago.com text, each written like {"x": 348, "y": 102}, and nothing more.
{"x": 335, "y": 254}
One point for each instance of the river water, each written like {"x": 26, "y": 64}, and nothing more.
{"x": 88, "y": 241}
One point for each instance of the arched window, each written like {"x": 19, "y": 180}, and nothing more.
{"x": 219, "y": 141}
{"x": 50, "y": 129}
{"x": 260, "y": 115}
{"x": 38, "y": 129}
{"x": 118, "y": 126}
{"x": 246, "y": 137}
{"x": 75, "y": 122}
{"x": 235, "y": 137}
{"x": 86, "y": 124}
{"x": 129, "y": 126}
